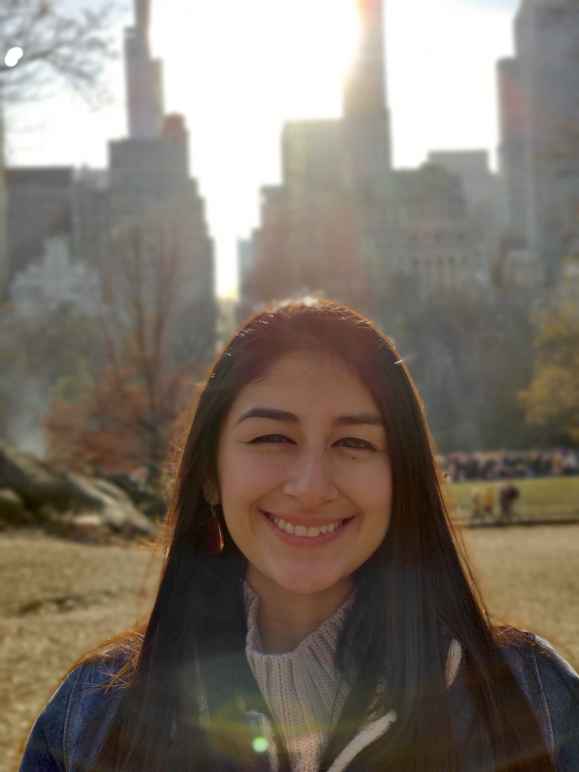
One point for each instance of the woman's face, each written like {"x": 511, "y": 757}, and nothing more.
{"x": 304, "y": 475}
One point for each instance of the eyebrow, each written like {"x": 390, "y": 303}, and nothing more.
{"x": 357, "y": 419}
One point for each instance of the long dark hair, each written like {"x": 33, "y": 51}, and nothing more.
{"x": 414, "y": 596}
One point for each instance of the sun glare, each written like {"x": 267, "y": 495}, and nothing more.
{"x": 317, "y": 55}
{"x": 239, "y": 70}
{"x": 293, "y": 54}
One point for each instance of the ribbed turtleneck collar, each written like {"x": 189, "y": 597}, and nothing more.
{"x": 302, "y": 687}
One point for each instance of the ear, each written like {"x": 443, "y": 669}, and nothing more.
{"x": 211, "y": 493}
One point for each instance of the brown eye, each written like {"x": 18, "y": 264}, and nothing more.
{"x": 355, "y": 443}
{"x": 274, "y": 439}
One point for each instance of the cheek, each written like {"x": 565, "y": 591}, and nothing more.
{"x": 377, "y": 501}
{"x": 371, "y": 481}
{"x": 245, "y": 474}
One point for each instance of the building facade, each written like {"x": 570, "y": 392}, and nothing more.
{"x": 148, "y": 196}
{"x": 344, "y": 222}
{"x": 4, "y": 265}
{"x": 437, "y": 246}
{"x": 513, "y": 149}
{"x": 39, "y": 205}
{"x": 144, "y": 78}
{"x": 540, "y": 139}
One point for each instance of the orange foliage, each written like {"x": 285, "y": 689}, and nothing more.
{"x": 120, "y": 425}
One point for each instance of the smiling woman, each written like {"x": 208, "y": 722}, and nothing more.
{"x": 314, "y": 611}
{"x": 307, "y": 469}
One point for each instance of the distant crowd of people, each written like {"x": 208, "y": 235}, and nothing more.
{"x": 483, "y": 502}
{"x": 509, "y": 465}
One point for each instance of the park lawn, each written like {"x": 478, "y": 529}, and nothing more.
{"x": 544, "y": 498}
{"x": 59, "y": 599}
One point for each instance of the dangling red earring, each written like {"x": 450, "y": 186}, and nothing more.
{"x": 215, "y": 541}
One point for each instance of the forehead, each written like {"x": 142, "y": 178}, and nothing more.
{"x": 308, "y": 382}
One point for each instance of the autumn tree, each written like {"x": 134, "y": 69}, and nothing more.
{"x": 157, "y": 336}
{"x": 551, "y": 400}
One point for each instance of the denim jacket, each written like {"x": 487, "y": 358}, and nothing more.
{"x": 550, "y": 684}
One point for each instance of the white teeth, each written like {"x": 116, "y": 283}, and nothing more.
{"x": 302, "y": 530}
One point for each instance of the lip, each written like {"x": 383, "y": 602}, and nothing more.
{"x": 306, "y": 541}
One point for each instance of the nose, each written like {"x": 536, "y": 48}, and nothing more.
{"x": 310, "y": 480}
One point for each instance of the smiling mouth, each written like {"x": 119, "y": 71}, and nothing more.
{"x": 307, "y": 532}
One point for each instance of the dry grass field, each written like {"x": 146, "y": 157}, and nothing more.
{"x": 59, "y": 599}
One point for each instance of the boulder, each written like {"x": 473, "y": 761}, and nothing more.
{"x": 88, "y": 529}
{"x": 49, "y": 494}
{"x": 146, "y": 500}
{"x": 37, "y": 484}
{"x": 112, "y": 505}
{"x": 13, "y": 513}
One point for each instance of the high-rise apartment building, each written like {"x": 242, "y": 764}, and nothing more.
{"x": 344, "y": 221}
{"x": 144, "y": 78}
{"x": 148, "y": 200}
{"x": 483, "y": 194}
{"x": 540, "y": 138}
{"x": 513, "y": 148}
{"x": 147, "y": 189}
{"x": 366, "y": 113}
{"x": 39, "y": 206}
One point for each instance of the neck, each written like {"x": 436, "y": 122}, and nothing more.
{"x": 285, "y": 618}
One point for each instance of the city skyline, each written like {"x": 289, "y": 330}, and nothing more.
{"x": 236, "y": 115}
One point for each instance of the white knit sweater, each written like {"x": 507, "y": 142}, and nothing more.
{"x": 301, "y": 687}
{"x": 306, "y": 694}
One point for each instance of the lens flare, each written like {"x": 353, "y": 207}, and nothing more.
{"x": 260, "y": 745}
{"x": 13, "y": 56}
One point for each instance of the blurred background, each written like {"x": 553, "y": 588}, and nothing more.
{"x": 169, "y": 167}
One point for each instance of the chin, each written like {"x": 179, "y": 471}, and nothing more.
{"x": 304, "y": 584}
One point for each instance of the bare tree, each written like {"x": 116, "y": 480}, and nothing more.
{"x": 44, "y": 39}
{"x": 158, "y": 336}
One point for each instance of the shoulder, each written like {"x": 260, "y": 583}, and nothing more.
{"x": 552, "y": 687}
{"x": 533, "y": 658}
{"x": 86, "y": 699}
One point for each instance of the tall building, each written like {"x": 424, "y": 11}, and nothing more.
{"x": 319, "y": 229}
{"x": 343, "y": 221}
{"x": 540, "y": 140}
{"x": 480, "y": 185}
{"x": 4, "y": 264}
{"x": 366, "y": 114}
{"x": 513, "y": 148}
{"x": 144, "y": 77}
{"x": 368, "y": 146}
{"x": 148, "y": 195}
{"x": 91, "y": 215}
{"x": 437, "y": 245}
{"x": 39, "y": 205}
{"x": 483, "y": 195}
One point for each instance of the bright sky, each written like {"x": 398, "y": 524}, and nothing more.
{"x": 238, "y": 69}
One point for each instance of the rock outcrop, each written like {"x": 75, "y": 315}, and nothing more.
{"x": 33, "y": 492}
